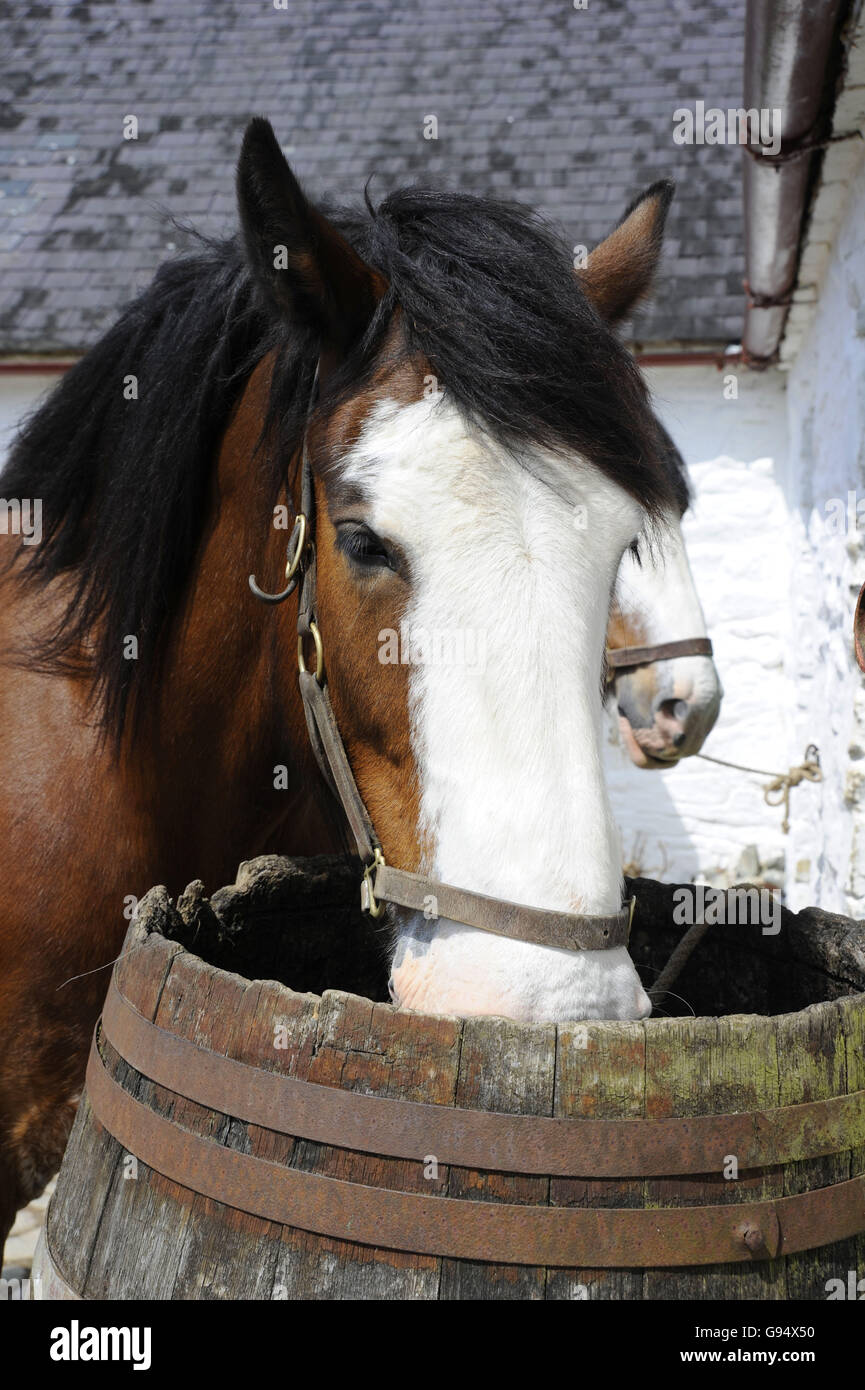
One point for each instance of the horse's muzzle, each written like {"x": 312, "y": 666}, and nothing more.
{"x": 664, "y": 714}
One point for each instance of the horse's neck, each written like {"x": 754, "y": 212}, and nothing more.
{"x": 230, "y": 714}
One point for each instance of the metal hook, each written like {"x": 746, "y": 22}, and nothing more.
{"x": 271, "y": 598}
{"x": 291, "y": 564}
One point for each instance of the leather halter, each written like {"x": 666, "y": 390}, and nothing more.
{"x": 381, "y": 882}
{"x": 625, "y": 658}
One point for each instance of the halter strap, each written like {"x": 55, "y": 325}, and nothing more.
{"x": 624, "y": 658}
{"x": 565, "y": 930}
{"x": 382, "y": 883}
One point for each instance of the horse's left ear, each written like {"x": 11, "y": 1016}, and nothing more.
{"x": 301, "y": 261}
{"x": 619, "y": 272}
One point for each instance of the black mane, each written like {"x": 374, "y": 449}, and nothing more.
{"x": 486, "y": 292}
{"x": 489, "y": 295}
{"x": 123, "y": 482}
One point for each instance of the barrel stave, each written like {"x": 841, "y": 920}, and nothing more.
{"x": 813, "y": 1057}
{"x": 600, "y": 1074}
{"x": 222, "y": 1253}
{"x": 87, "y": 1177}
{"x": 704, "y": 1066}
{"x": 852, "y": 1026}
{"x": 381, "y": 1051}
{"x": 508, "y": 1067}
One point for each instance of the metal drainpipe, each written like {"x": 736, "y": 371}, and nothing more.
{"x": 788, "y": 44}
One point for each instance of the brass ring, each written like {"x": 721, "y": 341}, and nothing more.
{"x": 293, "y": 561}
{"x": 371, "y": 905}
{"x": 319, "y": 652}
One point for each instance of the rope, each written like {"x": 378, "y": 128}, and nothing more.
{"x": 678, "y": 959}
{"x": 777, "y": 793}
{"x": 779, "y": 788}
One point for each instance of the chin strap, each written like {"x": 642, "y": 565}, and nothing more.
{"x": 382, "y": 883}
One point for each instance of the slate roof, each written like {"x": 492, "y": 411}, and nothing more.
{"x": 568, "y": 109}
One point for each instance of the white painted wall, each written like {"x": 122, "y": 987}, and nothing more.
{"x": 19, "y": 393}
{"x": 826, "y": 408}
{"x": 699, "y": 819}
{"x": 778, "y": 576}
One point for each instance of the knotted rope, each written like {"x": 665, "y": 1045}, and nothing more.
{"x": 777, "y": 793}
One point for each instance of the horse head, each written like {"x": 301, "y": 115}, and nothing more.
{"x": 480, "y": 455}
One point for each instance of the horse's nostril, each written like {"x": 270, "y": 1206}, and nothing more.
{"x": 676, "y": 710}
{"x": 671, "y": 721}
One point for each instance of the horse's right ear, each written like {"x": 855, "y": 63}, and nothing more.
{"x": 306, "y": 267}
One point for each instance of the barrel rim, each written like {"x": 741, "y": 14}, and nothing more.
{"x": 155, "y": 909}
{"x": 496, "y": 1141}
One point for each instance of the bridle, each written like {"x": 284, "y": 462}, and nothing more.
{"x": 382, "y": 882}
{"x": 625, "y": 658}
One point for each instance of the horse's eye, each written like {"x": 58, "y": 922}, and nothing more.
{"x": 364, "y": 547}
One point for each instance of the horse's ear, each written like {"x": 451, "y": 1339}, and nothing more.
{"x": 298, "y": 257}
{"x": 619, "y": 272}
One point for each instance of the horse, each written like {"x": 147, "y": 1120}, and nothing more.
{"x": 661, "y": 675}
{"x": 406, "y": 406}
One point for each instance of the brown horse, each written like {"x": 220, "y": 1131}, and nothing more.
{"x": 471, "y": 400}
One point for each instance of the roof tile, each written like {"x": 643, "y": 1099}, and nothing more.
{"x": 571, "y": 110}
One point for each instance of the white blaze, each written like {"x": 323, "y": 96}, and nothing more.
{"x": 512, "y": 795}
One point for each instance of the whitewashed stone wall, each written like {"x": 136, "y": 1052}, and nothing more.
{"x": 699, "y": 819}
{"x": 778, "y": 556}
{"x": 826, "y": 462}
{"x": 19, "y": 392}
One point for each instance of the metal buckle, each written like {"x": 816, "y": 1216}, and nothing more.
{"x": 633, "y": 904}
{"x": 369, "y": 903}
{"x": 319, "y": 652}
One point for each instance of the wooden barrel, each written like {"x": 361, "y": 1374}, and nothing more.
{"x": 241, "y": 1139}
